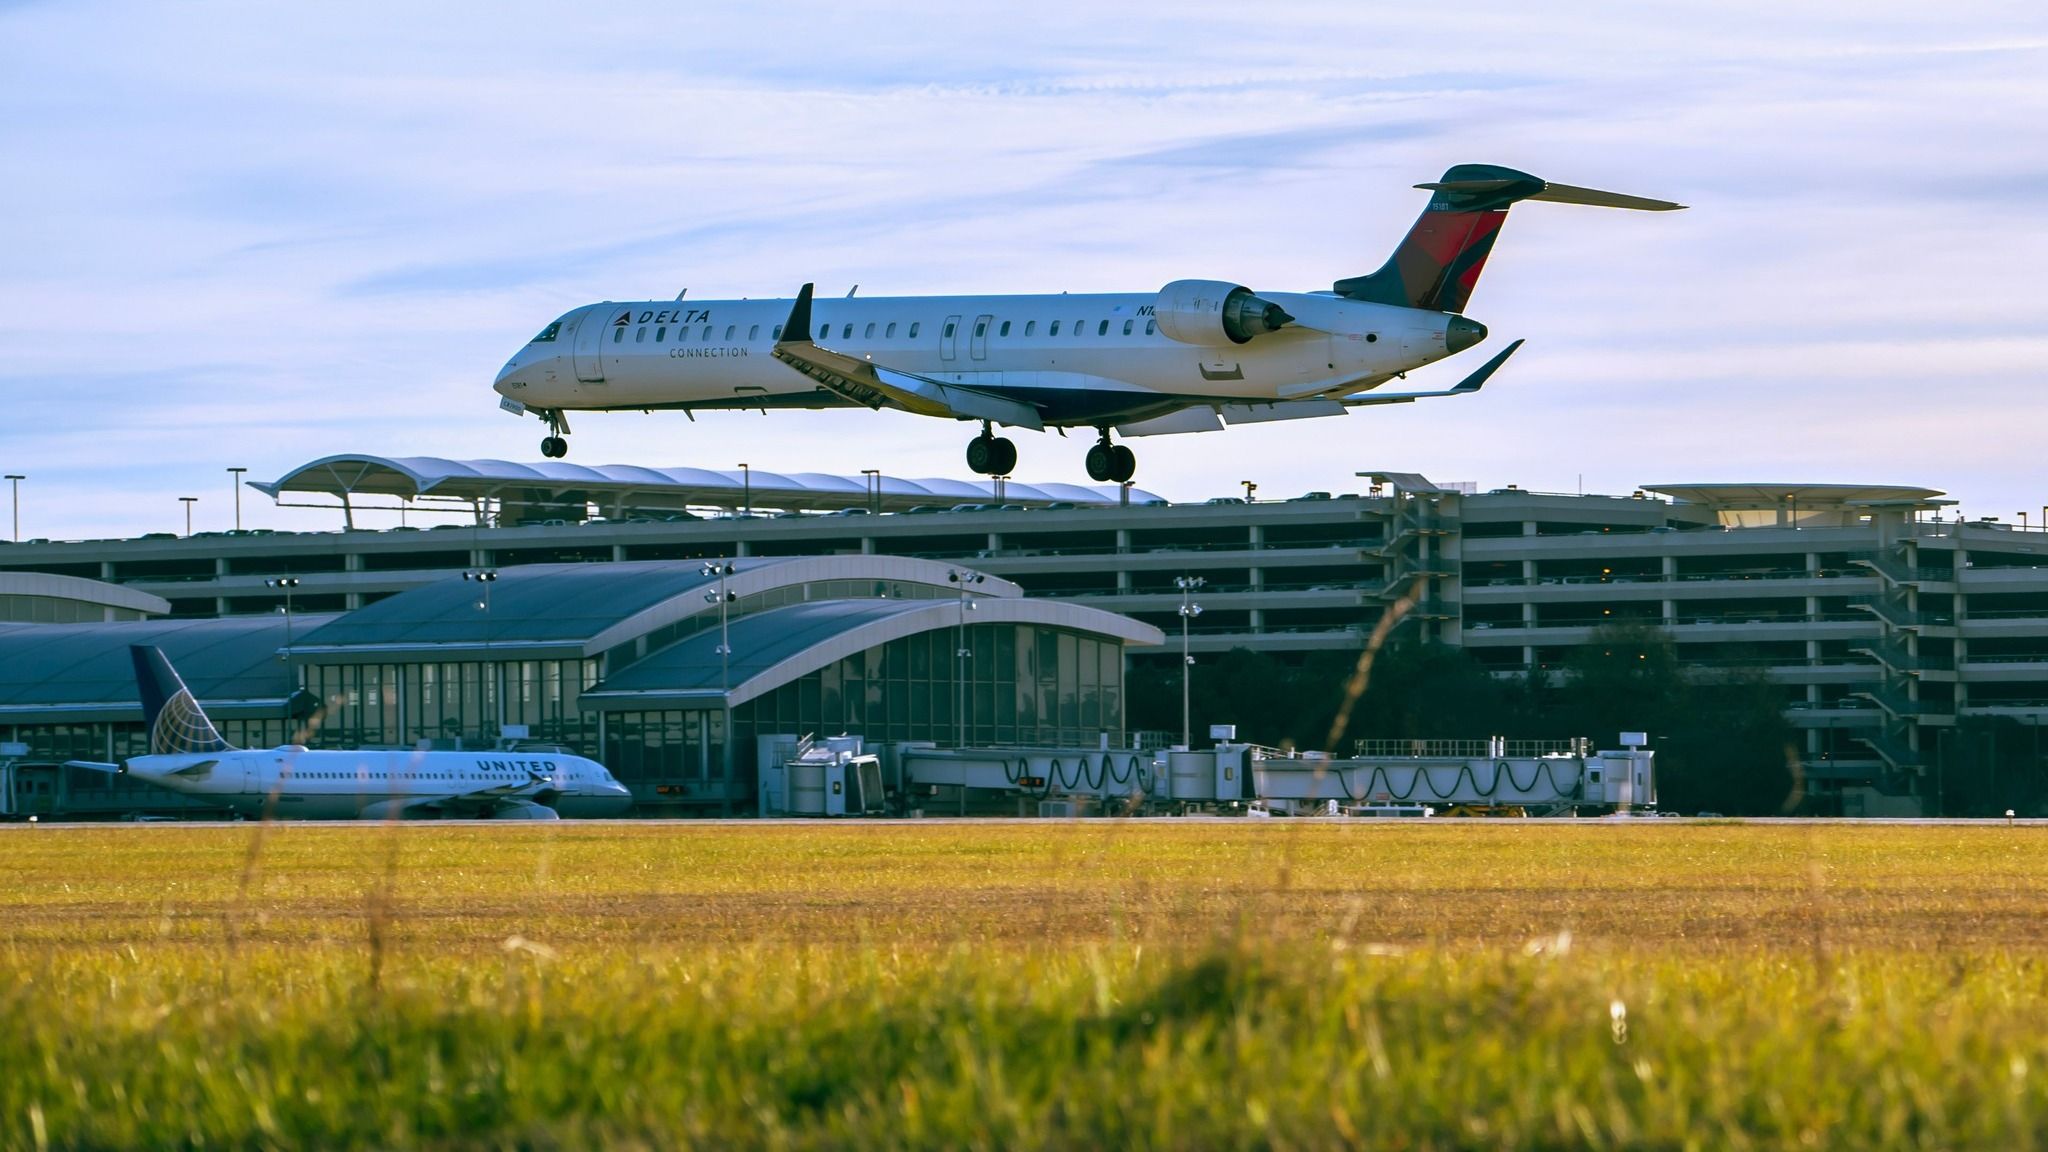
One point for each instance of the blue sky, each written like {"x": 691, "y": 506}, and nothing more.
{"x": 257, "y": 234}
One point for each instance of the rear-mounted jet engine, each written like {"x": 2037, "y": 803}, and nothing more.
{"x": 1211, "y": 312}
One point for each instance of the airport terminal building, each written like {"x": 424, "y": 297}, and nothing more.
{"x": 581, "y": 605}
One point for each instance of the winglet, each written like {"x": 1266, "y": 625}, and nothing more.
{"x": 1484, "y": 372}
{"x": 797, "y": 330}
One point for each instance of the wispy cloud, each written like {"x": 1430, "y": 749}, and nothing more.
{"x": 241, "y": 234}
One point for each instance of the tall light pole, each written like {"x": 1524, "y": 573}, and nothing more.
{"x": 1188, "y": 611}
{"x": 286, "y": 583}
{"x": 961, "y": 652}
{"x": 488, "y": 577}
{"x": 188, "y": 501}
{"x": 873, "y": 476}
{"x": 15, "y": 479}
{"x": 236, "y": 484}
{"x": 722, "y": 569}
{"x": 723, "y": 599}
{"x": 1249, "y": 488}
{"x": 747, "y": 486}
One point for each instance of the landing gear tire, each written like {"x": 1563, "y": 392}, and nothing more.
{"x": 554, "y": 447}
{"x": 1111, "y": 463}
{"x": 991, "y": 456}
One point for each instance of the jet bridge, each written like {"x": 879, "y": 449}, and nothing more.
{"x": 1495, "y": 773}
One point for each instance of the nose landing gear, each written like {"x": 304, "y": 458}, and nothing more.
{"x": 991, "y": 455}
{"x": 554, "y": 445}
{"x": 1111, "y": 462}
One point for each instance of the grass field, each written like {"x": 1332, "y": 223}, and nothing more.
{"x": 1161, "y": 984}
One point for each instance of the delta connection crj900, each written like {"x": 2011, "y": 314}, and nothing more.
{"x": 1187, "y": 358}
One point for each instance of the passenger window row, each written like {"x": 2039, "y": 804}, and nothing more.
{"x": 846, "y": 331}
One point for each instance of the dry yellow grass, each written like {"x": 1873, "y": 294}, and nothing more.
{"x": 1158, "y": 983}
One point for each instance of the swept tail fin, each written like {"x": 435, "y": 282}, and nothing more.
{"x": 1439, "y": 261}
{"x": 176, "y": 724}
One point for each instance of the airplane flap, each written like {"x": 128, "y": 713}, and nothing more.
{"x": 1201, "y": 419}
{"x": 1287, "y": 410}
{"x": 874, "y": 386}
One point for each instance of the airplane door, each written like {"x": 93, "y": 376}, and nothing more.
{"x": 978, "y": 345}
{"x": 949, "y": 335}
{"x": 588, "y": 342}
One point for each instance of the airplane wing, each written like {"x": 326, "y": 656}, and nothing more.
{"x": 1465, "y": 387}
{"x": 862, "y": 381}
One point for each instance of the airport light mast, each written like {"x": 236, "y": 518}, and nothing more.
{"x": 235, "y": 483}
{"x": 15, "y": 479}
{"x": 961, "y": 652}
{"x": 286, "y": 584}
{"x": 488, "y": 577}
{"x": 188, "y": 502}
{"x": 1188, "y": 611}
{"x": 722, "y": 569}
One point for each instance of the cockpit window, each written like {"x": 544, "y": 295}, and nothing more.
{"x": 549, "y": 333}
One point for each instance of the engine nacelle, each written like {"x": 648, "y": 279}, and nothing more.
{"x": 1213, "y": 312}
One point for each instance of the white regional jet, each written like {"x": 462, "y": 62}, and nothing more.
{"x": 1186, "y": 358}
{"x": 186, "y": 754}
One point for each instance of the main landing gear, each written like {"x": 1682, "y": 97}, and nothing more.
{"x": 1111, "y": 462}
{"x": 991, "y": 455}
{"x": 554, "y": 445}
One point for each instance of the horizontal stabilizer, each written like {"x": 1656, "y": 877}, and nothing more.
{"x": 1567, "y": 194}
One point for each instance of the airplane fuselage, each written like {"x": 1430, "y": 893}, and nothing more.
{"x": 1079, "y": 360}
{"x": 299, "y": 783}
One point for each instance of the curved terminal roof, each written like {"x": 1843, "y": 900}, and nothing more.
{"x": 46, "y": 585}
{"x": 1811, "y": 495}
{"x": 771, "y": 648}
{"x": 52, "y": 673}
{"x": 565, "y": 611}
{"x": 631, "y": 487}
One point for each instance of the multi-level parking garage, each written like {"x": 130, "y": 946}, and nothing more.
{"x": 1885, "y": 620}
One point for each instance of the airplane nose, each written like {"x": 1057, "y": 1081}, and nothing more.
{"x": 508, "y": 378}
{"x": 1462, "y": 334}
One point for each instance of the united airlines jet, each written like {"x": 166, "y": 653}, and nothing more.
{"x": 1188, "y": 358}
{"x": 187, "y": 754}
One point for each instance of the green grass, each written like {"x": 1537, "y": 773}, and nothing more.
{"x": 1493, "y": 984}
